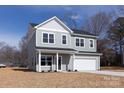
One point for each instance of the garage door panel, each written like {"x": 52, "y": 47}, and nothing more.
{"x": 85, "y": 64}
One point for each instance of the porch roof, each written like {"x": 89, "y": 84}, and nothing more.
{"x": 61, "y": 50}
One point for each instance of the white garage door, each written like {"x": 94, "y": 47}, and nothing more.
{"x": 85, "y": 64}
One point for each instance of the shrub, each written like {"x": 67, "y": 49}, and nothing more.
{"x": 75, "y": 70}
{"x": 49, "y": 70}
{"x": 55, "y": 71}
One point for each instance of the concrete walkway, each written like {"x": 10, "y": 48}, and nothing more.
{"x": 112, "y": 73}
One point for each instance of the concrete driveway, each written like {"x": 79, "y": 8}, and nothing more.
{"x": 107, "y": 72}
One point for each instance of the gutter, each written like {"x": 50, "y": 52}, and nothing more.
{"x": 85, "y": 35}
{"x": 99, "y": 54}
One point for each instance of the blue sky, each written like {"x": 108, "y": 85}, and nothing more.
{"x": 14, "y": 20}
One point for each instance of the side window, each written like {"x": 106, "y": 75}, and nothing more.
{"x": 45, "y": 38}
{"x": 77, "y": 41}
{"x": 91, "y": 43}
{"x": 82, "y": 42}
{"x": 64, "y": 39}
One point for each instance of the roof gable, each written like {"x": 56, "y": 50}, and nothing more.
{"x": 53, "y": 24}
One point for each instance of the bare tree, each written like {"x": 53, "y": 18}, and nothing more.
{"x": 120, "y": 10}
{"x": 2, "y": 44}
{"x": 98, "y": 24}
{"x": 8, "y": 54}
{"x": 23, "y": 50}
{"x": 116, "y": 34}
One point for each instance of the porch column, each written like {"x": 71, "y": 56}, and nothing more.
{"x": 39, "y": 62}
{"x": 57, "y": 61}
{"x": 73, "y": 61}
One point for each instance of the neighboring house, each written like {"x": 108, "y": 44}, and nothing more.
{"x": 54, "y": 46}
{"x": 5, "y": 63}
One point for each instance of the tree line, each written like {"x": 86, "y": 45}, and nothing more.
{"x": 14, "y": 56}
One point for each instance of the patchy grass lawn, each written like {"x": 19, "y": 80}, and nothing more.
{"x": 18, "y": 77}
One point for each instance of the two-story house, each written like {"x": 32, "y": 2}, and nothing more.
{"x": 54, "y": 46}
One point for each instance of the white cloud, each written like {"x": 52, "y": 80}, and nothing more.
{"x": 75, "y": 17}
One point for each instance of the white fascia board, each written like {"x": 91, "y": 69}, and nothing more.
{"x": 98, "y": 54}
{"x": 86, "y": 35}
{"x": 44, "y": 22}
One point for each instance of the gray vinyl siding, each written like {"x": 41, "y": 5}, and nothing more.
{"x": 70, "y": 41}
{"x": 57, "y": 44}
{"x": 32, "y": 53}
{"x": 87, "y": 44}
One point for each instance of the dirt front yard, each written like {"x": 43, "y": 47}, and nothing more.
{"x": 23, "y": 78}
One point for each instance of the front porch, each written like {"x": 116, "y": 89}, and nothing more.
{"x": 54, "y": 61}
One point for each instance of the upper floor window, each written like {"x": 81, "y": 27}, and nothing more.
{"x": 80, "y": 42}
{"x": 64, "y": 39}
{"x": 51, "y": 38}
{"x": 91, "y": 43}
{"x": 45, "y": 37}
{"x": 48, "y": 38}
{"x": 77, "y": 41}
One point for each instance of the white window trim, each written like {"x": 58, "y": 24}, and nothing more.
{"x": 48, "y": 37}
{"x": 52, "y": 60}
{"x": 62, "y": 39}
{"x": 93, "y": 43}
{"x": 80, "y": 42}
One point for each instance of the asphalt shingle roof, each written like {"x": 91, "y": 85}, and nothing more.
{"x": 33, "y": 24}
{"x": 77, "y": 31}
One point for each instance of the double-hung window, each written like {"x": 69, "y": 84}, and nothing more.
{"x": 77, "y": 42}
{"x": 91, "y": 43}
{"x": 48, "y": 38}
{"x": 64, "y": 39}
{"x": 51, "y": 38}
{"x": 45, "y": 37}
{"x": 80, "y": 42}
{"x": 46, "y": 60}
